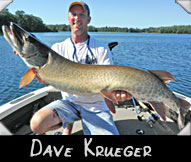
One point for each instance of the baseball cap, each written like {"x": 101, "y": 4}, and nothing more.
{"x": 81, "y": 3}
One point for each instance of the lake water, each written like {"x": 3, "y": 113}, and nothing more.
{"x": 169, "y": 52}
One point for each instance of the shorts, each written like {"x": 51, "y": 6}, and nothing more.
{"x": 93, "y": 123}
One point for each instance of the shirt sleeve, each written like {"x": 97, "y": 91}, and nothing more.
{"x": 55, "y": 47}
{"x": 104, "y": 56}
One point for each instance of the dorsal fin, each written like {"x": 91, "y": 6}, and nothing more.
{"x": 163, "y": 75}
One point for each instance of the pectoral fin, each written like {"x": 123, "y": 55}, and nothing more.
{"x": 109, "y": 95}
{"x": 110, "y": 105}
{"x": 163, "y": 75}
{"x": 27, "y": 78}
{"x": 159, "y": 107}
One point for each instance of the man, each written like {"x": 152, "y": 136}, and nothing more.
{"x": 92, "y": 111}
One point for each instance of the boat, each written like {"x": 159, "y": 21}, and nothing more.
{"x": 130, "y": 120}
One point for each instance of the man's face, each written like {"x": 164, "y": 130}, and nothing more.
{"x": 78, "y": 20}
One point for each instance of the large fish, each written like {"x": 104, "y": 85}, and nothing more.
{"x": 89, "y": 80}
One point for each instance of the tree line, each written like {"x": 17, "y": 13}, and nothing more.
{"x": 33, "y": 23}
{"x": 28, "y": 22}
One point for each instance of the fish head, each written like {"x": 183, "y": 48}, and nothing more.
{"x": 33, "y": 52}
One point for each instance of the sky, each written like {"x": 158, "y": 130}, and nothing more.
{"x": 120, "y": 13}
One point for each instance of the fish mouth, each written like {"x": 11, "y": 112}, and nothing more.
{"x": 17, "y": 37}
{"x": 12, "y": 37}
{"x": 26, "y": 45}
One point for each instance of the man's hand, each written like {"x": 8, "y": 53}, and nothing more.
{"x": 120, "y": 95}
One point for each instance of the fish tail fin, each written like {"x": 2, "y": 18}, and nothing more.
{"x": 184, "y": 107}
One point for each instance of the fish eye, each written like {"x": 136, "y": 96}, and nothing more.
{"x": 26, "y": 37}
